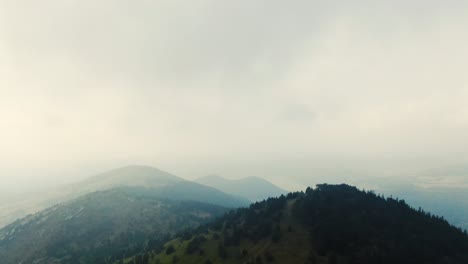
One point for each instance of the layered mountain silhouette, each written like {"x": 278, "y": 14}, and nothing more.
{"x": 252, "y": 188}
{"x": 139, "y": 214}
{"x": 125, "y": 176}
{"x": 111, "y": 215}
{"x": 129, "y": 176}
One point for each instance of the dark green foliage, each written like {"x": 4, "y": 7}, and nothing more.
{"x": 156, "y": 244}
{"x": 232, "y": 236}
{"x": 141, "y": 259}
{"x": 364, "y": 228}
{"x": 169, "y": 250}
{"x": 276, "y": 236}
{"x": 333, "y": 259}
{"x": 254, "y": 223}
{"x": 194, "y": 244}
{"x": 186, "y": 235}
{"x": 222, "y": 252}
{"x": 312, "y": 258}
{"x": 345, "y": 226}
{"x": 269, "y": 257}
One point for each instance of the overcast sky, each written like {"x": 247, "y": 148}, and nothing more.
{"x": 293, "y": 91}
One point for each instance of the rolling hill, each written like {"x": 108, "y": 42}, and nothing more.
{"x": 252, "y": 188}
{"x": 331, "y": 224}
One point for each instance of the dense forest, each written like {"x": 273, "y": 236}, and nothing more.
{"x": 329, "y": 224}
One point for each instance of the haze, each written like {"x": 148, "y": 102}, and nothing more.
{"x": 296, "y": 92}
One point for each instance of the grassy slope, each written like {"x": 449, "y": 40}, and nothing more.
{"x": 294, "y": 246}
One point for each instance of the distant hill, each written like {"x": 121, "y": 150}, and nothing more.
{"x": 144, "y": 176}
{"x": 252, "y": 188}
{"x": 331, "y": 224}
{"x": 103, "y": 226}
{"x": 192, "y": 191}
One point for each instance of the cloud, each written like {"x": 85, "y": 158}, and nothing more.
{"x": 233, "y": 87}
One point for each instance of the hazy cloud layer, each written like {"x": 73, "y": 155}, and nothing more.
{"x": 286, "y": 90}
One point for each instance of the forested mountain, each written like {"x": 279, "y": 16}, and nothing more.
{"x": 101, "y": 227}
{"x": 333, "y": 224}
{"x": 252, "y": 188}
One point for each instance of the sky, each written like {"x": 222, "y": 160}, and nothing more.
{"x": 296, "y": 92}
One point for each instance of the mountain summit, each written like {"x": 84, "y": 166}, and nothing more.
{"x": 134, "y": 175}
{"x": 331, "y": 224}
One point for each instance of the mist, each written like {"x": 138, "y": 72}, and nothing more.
{"x": 297, "y": 93}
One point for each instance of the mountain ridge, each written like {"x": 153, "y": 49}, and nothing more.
{"x": 252, "y": 187}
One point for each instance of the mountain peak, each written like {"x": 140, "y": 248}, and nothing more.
{"x": 133, "y": 175}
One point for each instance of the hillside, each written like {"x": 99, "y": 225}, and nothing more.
{"x": 329, "y": 224}
{"x": 101, "y": 227}
{"x": 252, "y": 188}
{"x": 143, "y": 176}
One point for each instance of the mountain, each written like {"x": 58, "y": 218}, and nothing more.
{"x": 252, "y": 188}
{"x": 101, "y": 227}
{"x": 192, "y": 191}
{"x": 134, "y": 175}
{"x": 143, "y": 176}
{"x": 332, "y": 224}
